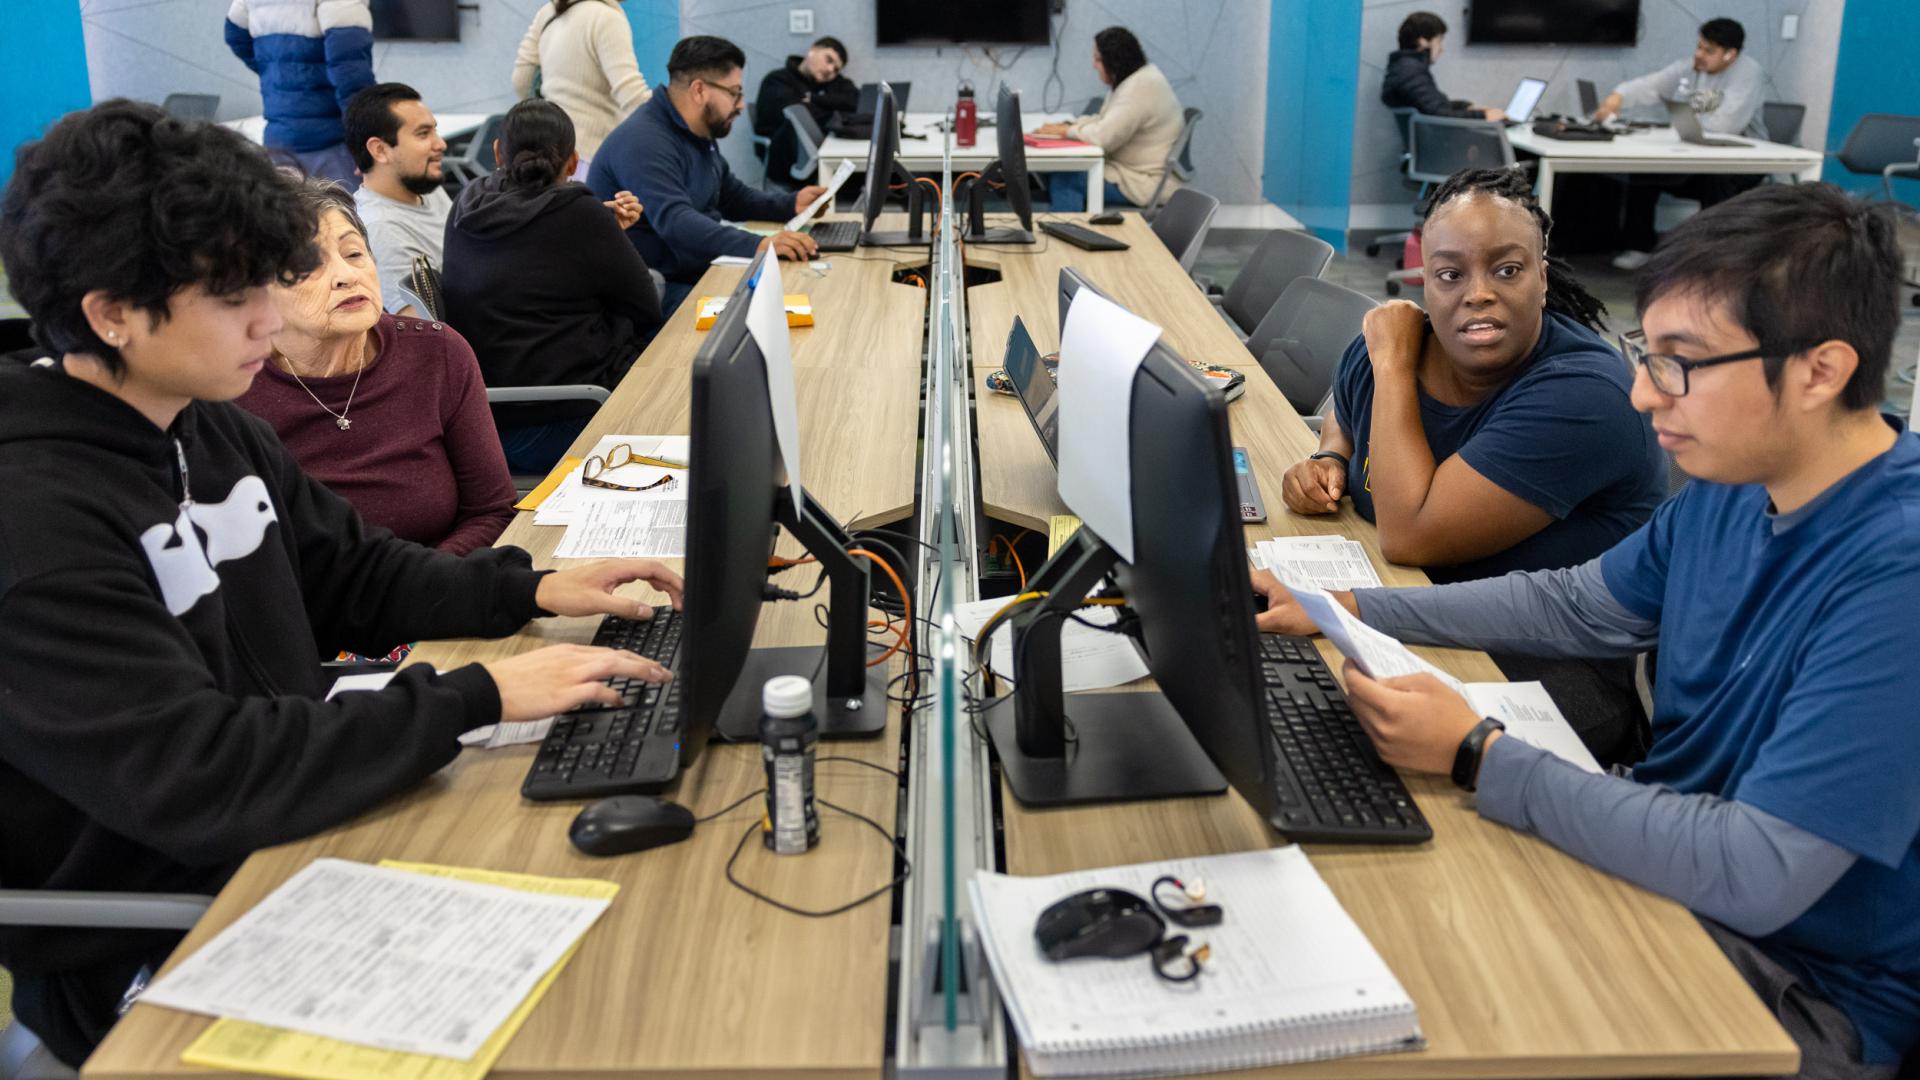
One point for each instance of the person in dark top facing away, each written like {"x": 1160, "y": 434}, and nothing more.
{"x": 813, "y": 80}
{"x": 170, "y": 579}
{"x": 542, "y": 283}
{"x": 1409, "y": 80}
{"x": 1498, "y": 434}
{"x": 1778, "y": 800}
{"x": 668, "y": 154}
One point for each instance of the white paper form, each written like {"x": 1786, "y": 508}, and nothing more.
{"x": 513, "y": 733}
{"x": 349, "y": 684}
{"x": 1319, "y": 562}
{"x": 814, "y": 208}
{"x": 1380, "y": 656}
{"x": 567, "y": 501}
{"x": 1101, "y": 348}
{"x": 1089, "y": 659}
{"x": 627, "y": 529}
{"x": 767, "y": 322}
{"x": 380, "y": 957}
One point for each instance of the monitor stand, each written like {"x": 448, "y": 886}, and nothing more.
{"x": 1125, "y": 746}
{"x": 977, "y": 231}
{"x": 850, "y": 699}
{"x": 916, "y": 234}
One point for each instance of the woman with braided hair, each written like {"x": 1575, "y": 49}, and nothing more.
{"x": 1492, "y": 432}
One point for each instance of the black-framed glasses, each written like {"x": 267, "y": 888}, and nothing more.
{"x": 593, "y": 472}
{"x": 1672, "y": 375}
{"x": 737, "y": 92}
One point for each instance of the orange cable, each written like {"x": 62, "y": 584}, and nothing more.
{"x": 906, "y": 625}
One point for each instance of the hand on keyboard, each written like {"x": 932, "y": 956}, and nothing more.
{"x": 791, "y": 245}
{"x": 552, "y": 680}
{"x": 588, "y": 589}
{"x": 1415, "y": 721}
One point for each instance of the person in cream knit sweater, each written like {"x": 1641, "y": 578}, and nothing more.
{"x": 582, "y": 53}
{"x": 1136, "y": 126}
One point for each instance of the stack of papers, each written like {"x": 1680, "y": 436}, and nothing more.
{"x": 1332, "y": 563}
{"x": 1526, "y": 708}
{"x": 1290, "y": 978}
{"x": 606, "y": 523}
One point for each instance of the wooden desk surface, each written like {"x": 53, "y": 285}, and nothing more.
{"x": 1521, "y": 960}
{"x": 684, "y": 974}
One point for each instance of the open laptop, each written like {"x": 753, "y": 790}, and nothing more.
{"x": 1687, "y": 126}
{"x": 1526, "y": 97}
{"x": 1589, "y": 97}
{"x": 1034, "y": 386}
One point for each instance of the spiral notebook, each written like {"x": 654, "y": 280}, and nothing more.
{"x": 1291, "y": 978}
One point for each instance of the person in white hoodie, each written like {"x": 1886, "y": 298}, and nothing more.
{"x": 1136, "y": 126}
{"x": 578, "y": 54}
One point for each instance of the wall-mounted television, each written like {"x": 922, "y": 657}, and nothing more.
{"x": 416, "y": 20}
{"x": 976, "y": 22}
{"x": 1553, "y": 22}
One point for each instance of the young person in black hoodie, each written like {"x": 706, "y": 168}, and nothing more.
{"x": 543, "y": 282}
{"x": 814, "y": 80}
{"x": 1409, "y": 80}
{"x": 169, "y": 579}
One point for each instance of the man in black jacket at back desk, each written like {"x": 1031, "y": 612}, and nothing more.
{"x": 1409, "y": 81}
{"x": 813, "y": 80}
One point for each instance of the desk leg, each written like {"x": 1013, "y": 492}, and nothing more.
{"x": 1097, "y": 187}
{"x": 1543, "y": 185}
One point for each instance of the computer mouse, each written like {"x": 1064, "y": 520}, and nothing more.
{"x": 1110, "y": 217}
{"x": 624, "y": 823}
{"x": 1098, "y": 922}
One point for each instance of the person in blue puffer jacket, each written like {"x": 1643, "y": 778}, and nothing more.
{"x": 312, "y": 56}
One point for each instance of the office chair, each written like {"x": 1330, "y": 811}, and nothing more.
{"x": 475, "y": 159}
{"x": 1093, "y": 104}
{"x": 521, "y": 395}
{"x": 1402, "y": 118}
{"x": 1179, "y": 164}
{"x": 761, "y": 143}
{"x": 1885, "y": 144}
{"x": 807, "y": 132}
{"x": 1438, "y": 147}
{"x": 191, "y": 106}
{"x": 1283, "y": 255}
{"x": 1782, "y": 119}
{"x": 1183, "y": 223}
{"x": 21, "y": 1055}
{"x": 1301, "y": 339}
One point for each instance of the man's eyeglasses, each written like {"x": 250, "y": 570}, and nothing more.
{"x": 1672, "y": 375}
{"x": 593, "y": 473}
{"x": 736, "y": 92}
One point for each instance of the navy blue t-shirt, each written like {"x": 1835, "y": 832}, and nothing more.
{"x": 1563, "y": 435}
{"x": 1789, "y": 680}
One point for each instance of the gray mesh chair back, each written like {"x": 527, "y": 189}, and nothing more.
{"x": 1179, "y": 164}
{"x": 475, "y": 159}
{"x": 1403, "y": 123}
{"x": 761, "y": 143}
{"x": 1782, "y": 119}
{"x": 1282, "y": 256}
{"x": 807, "y": 132}
{"x": 1439, "y": 146}
{"x": 1883, "y": 143}
{"x": 191, "y": 106}
{"x": 1300, "y": 341}
{"x": 1093, "y": 104}
{"x": 1183, "y": 223}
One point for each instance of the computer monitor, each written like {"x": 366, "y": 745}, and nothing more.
{"x": 883, "y": 169}
{"x": 1589, "y": 97}
{"x": 1034, "y": 385}
{"x": 1187, "y": 585}
{"x": 1525, "y": 96}
{"x": 739, "y": 500}
{"x": 870, "y": 97}
{"x": 1010, "y": 171}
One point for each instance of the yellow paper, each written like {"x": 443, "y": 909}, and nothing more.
{"x": 539, "y": 495}
{"x": 1060, "y": 529}
{"x": 256, "y": 1048}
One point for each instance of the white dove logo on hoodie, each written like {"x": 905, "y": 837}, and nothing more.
{"x": 183, "y": 565}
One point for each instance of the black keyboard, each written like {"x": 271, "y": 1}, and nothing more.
{"x": 836, "y": 235}
{"x": 1082, "y": 238}
{"x": 1330, "y": 785}
{"x": 633, "y": 748}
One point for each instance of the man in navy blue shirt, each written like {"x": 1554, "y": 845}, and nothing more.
{"x": 668, "y": 154}
{"x": 1779, "y": 799}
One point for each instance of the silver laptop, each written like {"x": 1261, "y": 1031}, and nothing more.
{"x": 1589, "y": 97}
{"x": 1687, "y": 126}
{"x": 1525, "y": 98}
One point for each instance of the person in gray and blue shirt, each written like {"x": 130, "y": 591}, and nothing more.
{"x": 1779, "y": 800}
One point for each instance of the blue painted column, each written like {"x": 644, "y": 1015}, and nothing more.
{"x": 1875, "y": 74}
{"x": 656, "y": 26}
{"x": 1313, "y": 72}
{"x": 43, "y": 72}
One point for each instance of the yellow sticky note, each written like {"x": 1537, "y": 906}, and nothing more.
{"x": 1060, "y": 529}
{"x": 539, "y": 495}
{"x": 256, "y": 1048}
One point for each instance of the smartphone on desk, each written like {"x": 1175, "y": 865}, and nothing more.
{"x": 1251, "y": 508}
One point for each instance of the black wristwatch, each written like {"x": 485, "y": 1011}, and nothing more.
{"x": 1466, "y": 760}
{"x": 1331, "y": 455}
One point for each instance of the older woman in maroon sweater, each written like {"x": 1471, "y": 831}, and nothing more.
{"x": 388, "y": 412}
